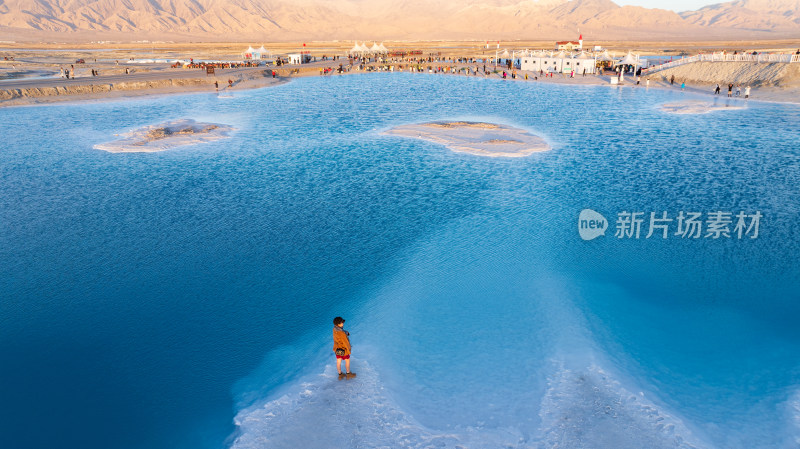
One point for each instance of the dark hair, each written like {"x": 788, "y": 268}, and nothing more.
{"x": 338, "y": 320}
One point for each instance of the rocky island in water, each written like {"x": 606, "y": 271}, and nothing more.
{"x": 166, "y": 136}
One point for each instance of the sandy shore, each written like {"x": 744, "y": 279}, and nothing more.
{"x": 154, "y": 81}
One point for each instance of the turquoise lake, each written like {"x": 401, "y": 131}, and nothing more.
{"x": 184, "y": 299}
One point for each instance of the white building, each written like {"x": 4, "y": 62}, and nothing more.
{"x": 295, "y": 58}
{"x": 561, "y": 62}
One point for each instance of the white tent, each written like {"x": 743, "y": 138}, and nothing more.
{"x": 375, "y": 48}
{"x": 383, "y": 49}
{"x": 359, "y": 49}
{"x": 261, "y": 53}
{"x": 248, "y": 54}
{"x": 605, "y": 57}
{"x": 629, "y": 59}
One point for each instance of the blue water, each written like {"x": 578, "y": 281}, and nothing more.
{"x": 184, "y": 299}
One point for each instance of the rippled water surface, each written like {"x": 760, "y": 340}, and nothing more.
{"x": 184, "y": 298}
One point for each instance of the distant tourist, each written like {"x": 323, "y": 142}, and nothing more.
{"x": 341, "y": 347}
{"x": 647, "y": 82}
{"x": 716, "y": 91}
{"x": 672, "y": 80}
{"x": 730, "y": 90}
{"x": 738, "y": 90}
{"x": 747, "y": 92}
{"x": 683, "y": 85}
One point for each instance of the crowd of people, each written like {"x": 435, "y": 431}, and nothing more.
{"x": 731, "y": 91}
{"x": 433, "y": 63}
{"x": 217, "y": 65}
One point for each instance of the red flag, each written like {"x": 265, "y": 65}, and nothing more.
{"x": 580, "y": 38}
{"x": 304, "y": 44}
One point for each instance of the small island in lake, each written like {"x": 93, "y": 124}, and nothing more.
{"x": 478, "y": 138}
{"x": 697, "y": 107}
{"x": 166, "y": 136}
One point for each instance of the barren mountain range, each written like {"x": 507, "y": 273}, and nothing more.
{"x": 275, "y": 20}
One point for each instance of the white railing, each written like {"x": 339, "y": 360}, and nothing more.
{"x": 723, "y": 57}
{"x": 671, "y": 64}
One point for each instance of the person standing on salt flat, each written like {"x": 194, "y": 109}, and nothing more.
{"x": 341, "y": 346}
